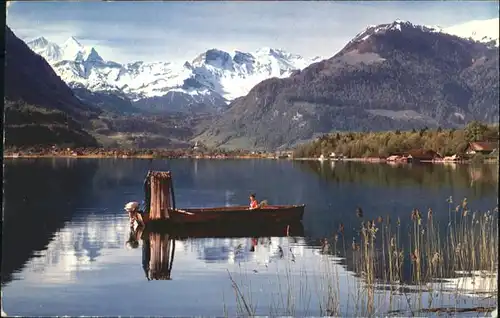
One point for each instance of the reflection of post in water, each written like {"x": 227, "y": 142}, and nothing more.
{"x": 146, "y": 254}
{"x": 370, "y": 300}
{"x": 158, "y": 256}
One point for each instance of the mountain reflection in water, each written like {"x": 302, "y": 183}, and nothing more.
{"x": 268, "y": 244}
{"x": 64, "y": 247}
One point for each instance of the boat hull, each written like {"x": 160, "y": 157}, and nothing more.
{"x": 201, "y": 230}
{"x": 236, "y": 215}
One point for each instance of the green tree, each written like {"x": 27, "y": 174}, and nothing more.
{"x": 475, "y": 131}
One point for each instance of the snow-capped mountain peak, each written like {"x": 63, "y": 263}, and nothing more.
{"x": 71, "y": 50}
{"x": 39, "y": 42}
{"x": 214, "y": 57}
{"x": 270, "y": 51}
{"x": 233, "y": 74}
{"x": 216, "y": 75}
{"x": 485, "y": 31}
{"x": 72, "y": 42}
{"x": 396, "y": 25}
{"x": 50, "y": 51}
{"x": 93, "y": 56}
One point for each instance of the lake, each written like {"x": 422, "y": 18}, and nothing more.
{"x": 67, "y": 247}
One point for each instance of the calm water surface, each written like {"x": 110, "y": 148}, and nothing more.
{"x": 64, "y": 238}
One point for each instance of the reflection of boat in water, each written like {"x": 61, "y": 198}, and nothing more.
{"x": 222, "y": 231}
{"x": 158, "y": 248}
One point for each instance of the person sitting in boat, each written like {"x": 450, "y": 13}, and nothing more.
{"x": 253, "y": 202}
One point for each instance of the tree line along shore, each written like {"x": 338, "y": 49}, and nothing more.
{"x": 474, "y": 142}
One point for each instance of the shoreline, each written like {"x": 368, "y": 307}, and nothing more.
{"x": 34, "y": 156}
{"x": 226, "y": 157}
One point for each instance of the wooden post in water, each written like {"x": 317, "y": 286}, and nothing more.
{"x": 160, "y": 200}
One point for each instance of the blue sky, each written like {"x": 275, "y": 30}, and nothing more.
{"x": 179, "y": 31}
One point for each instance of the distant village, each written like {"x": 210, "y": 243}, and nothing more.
{"x": 487, "y": 149}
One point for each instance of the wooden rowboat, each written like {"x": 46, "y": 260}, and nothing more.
{"x": 236, "y": 215}
{"x": 160, "y": 198}
{"x": 274, "y": 213}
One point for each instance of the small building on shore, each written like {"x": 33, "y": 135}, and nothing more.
{"x": 336, "y": 156}
{"x": 419, "y": 155}
{"x": 393, "y": 158}
{"x": 455, "y": 157}
{"x": 397, "y": 158}
{"x": 284, "y": 154}
{"x": 481, "y": 147}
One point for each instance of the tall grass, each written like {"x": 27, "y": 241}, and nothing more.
{"x": 467, "y": 243}
{"x": 398, "y": 274}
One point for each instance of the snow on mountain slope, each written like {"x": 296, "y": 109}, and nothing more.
{"x": 397, "y": 25}
{"x": 225, "y": 75}
{"x": 50, "y": 51}
{"x": 484, "y": 31}
{"x": 478, "y": 30}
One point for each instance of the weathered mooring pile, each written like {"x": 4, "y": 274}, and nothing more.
{"x": 159, "y": 194}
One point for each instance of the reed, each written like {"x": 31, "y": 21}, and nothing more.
{"x": 397, "y": 275}
{"x": 471, "y": 244}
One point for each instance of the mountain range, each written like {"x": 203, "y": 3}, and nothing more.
{"x": 205, "y": 84}
{"x": 390, "y": 76}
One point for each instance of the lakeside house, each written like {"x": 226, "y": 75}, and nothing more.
{"x": 397, "y": 158}
{"x": 455, "y": 157}
{"x": 336, "y": 156}
{"x": 393, "y": 158}
{"x": 482, "y": 147}
{"x": 283, "y": 155}
{"x": 415, "y": 155}
{"x": 418, "y": 155}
